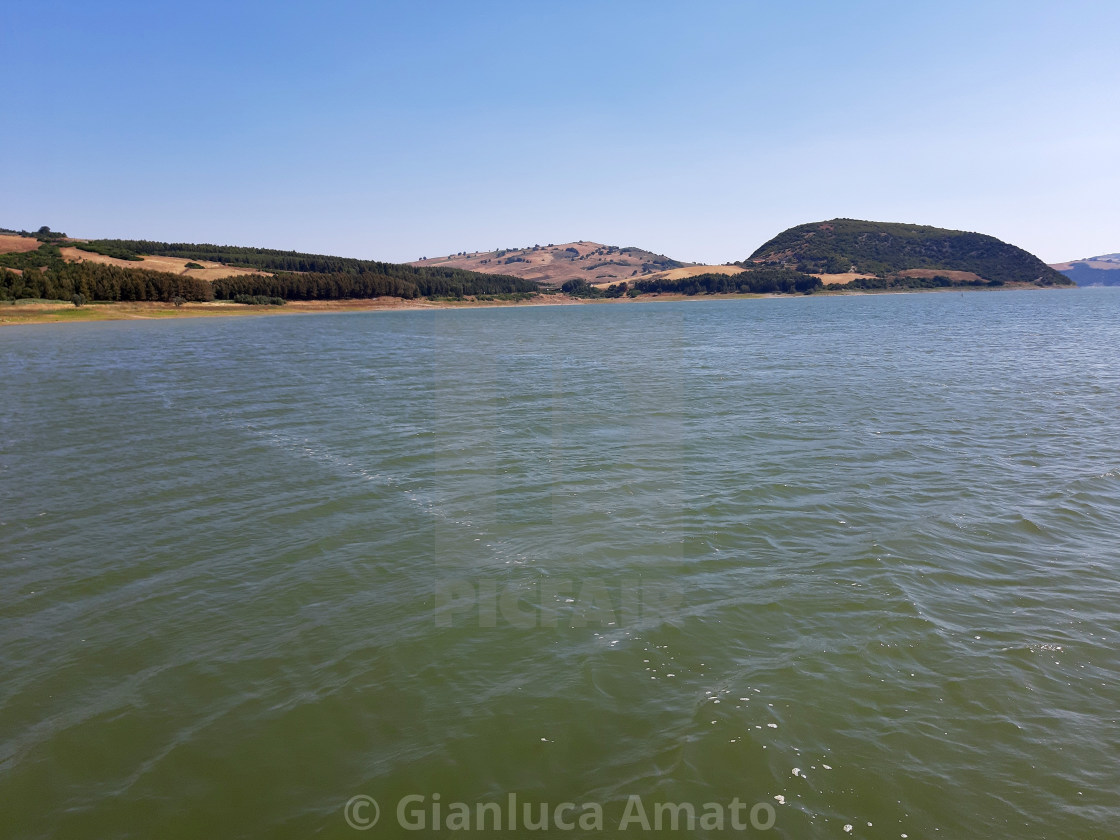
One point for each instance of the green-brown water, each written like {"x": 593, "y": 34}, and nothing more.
{"x": 252, "y": 568}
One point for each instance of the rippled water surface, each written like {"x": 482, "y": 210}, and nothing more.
{"x": 857, "y": 558}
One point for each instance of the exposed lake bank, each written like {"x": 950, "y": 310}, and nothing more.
{"x": 62, "y": 312}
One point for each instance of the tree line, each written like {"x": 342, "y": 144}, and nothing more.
{"x": 93, "y": 281}
{"x": 937, "y": 281}
{"x": 758, "y": 281}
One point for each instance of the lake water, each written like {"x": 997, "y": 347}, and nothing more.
{"x": 849, "y": 562}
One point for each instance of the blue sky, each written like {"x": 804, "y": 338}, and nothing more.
{"x": 393, "y": 130}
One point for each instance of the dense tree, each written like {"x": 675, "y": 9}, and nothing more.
{"x": 93, "y": 281}
{"x": 752, "y": 281}
{"x": 766, "y": 280}
{"x": 938, "y": 281}
{"x": 107, "y": 250}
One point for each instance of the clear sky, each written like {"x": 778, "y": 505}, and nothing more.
{"x": 393, "y": 130}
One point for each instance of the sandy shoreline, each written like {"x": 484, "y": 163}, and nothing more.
{"x": 12, "y": 314}
{"x": 39, "y": 312}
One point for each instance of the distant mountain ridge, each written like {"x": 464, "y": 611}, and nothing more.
{"x": 553, "y": 265}
{"x": 838, "y": 255}
{"x": 1103, "y": 270}
{"x": 904, "y": 255}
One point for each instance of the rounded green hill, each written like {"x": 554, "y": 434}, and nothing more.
{"x": 896, "y": 253}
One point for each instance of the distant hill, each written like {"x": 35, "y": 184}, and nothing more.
{"x": 1092, "y": 271}
{"x": 554, "y": 265}
{"x": 903, "y": 255}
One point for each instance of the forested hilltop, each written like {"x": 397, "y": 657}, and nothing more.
{"x": 890, "y": 255}
{"x": 300, "y": 276}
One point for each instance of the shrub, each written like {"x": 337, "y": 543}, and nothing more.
{"x": 108, "y": 251}
{"x": 259, "y": 300}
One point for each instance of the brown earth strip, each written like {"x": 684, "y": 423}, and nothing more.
{"x": 12, "y": 244}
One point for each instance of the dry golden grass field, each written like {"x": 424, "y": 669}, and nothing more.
{"x": 174, "y": 265}
{"x": 12, "y": 244}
